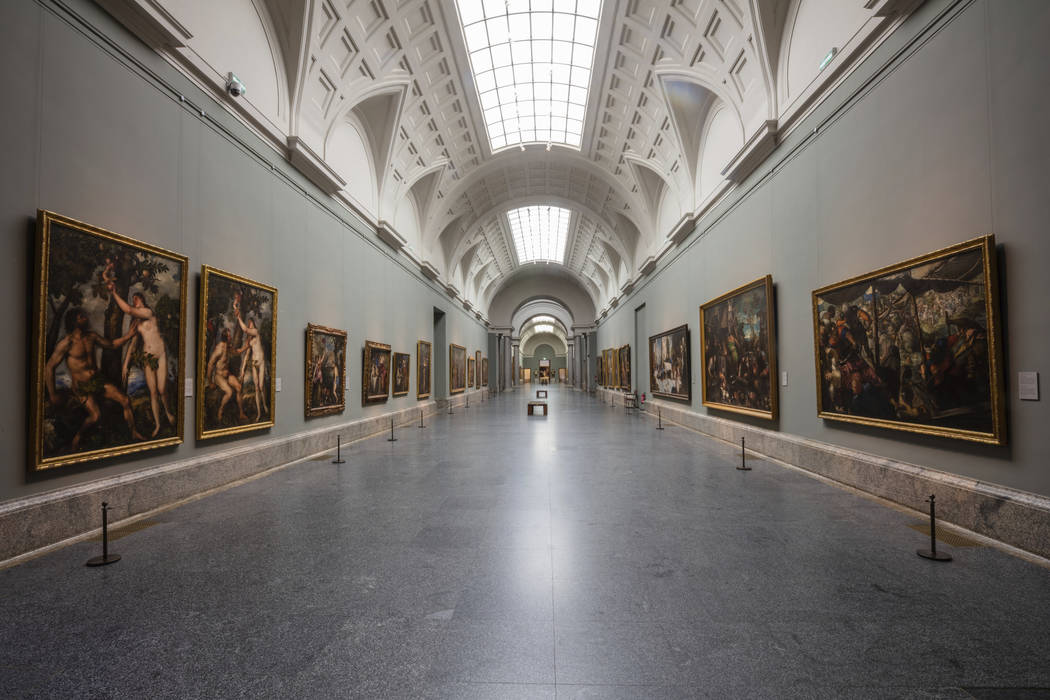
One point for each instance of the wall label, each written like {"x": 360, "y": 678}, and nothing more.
{"x": 1028, "y": 386}
{"x": 188, "y": 391}
{"x": 278, "y": 383}
{"x": 784, "y": 378}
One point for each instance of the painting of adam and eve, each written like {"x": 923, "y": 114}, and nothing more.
{"x": 375, "y": 380}
{"x": 423, "y": 361}
{"x": 915, "y": 346}
{"x": 738, "y": 351}
{"x": 325, "y": 370}
{"x": 457, "y": 368}
{"x": 669, "y": 372}
{"x": 108, "y": 357}
{"x": 237, "y": 342}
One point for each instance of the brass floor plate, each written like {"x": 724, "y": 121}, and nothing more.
{"x": 117, "y": 533}
{"x": 945, "y": 536}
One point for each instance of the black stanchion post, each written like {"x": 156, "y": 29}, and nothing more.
{"x": 743, "y": 458}
{"x": 106, "y": 557}
{"x": 391, "y": 438}
{"x": 932, "y": 552}
{"x": 421, "y": 419}
{"x": 659, "y": 419}
{"x": 338, "y": 450}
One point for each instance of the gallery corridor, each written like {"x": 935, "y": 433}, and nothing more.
{"x": 491, "y": 555}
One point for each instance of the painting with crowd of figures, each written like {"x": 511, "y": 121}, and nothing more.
{"x": 625, "y": 367}
{"x": 738, "y": 355}
{"x": 423, "y": 362}
{"x": 236, "y": 348}
{"x": 375, "y": 379}
{"x": 325, "y": 370}
{"x": 402, "y": 373}
{"x": 108, "y": 344}
{"x": 915, "y": 346}
{"x": 669, "y": 371}
{"x": 457, "y": 368}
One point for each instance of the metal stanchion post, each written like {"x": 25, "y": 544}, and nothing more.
{"x": 659, "y": 419}
{"x": 391, "y": 438}
{"x": 421, "y": 419}
{"x": 932, "y": 552}
{"x": 106, "y": 557}
{"x": 338, "y": 450}
{"x": 743, "y": 458}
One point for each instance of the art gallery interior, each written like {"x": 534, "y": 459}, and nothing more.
{"x": 284, "y": 277}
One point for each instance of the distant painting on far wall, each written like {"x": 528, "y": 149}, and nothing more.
{"x": 108, "y": 357}
{"x": 402, "y": 373}
{"x": 915, "y": 346}
{"x": 484, "y": 371}
{"x": 670, "y": 375}
{"x": 236, "y": 354}
{"x": 423, "y": 362}
{"x": 738, "y": 356}
{"x": 457, "y": 368}
{"x": 625, "y": 367}
{"x": 325, "y": 370}
{"x": 477, "y": 369}
{"x": 375, "y": 380}
{"x": 470, "y": 372}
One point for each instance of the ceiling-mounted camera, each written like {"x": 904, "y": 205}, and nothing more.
{"x": 235, "y": 87}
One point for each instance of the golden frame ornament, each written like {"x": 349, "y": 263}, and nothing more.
{"x": 766, "y": 285}
{"x": 939, "y": 270}
{"x": 420, "y": 366}
{"x": 371, "y": 352}
{"x": 395, "y": 363}
{"x": 209, "y": 276}
{"x": 453, "y": 351}
{"x": 45, "y": 336}
{"x": 312, "y": 331}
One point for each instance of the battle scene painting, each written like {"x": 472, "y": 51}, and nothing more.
{"x": 375, "y": 373}
{"x": 325, "y": 370}
{"x": 402, "y": 373}
{"x": 236, "y": 348}
{"x": 669, "y": 370}
{"x": 738, "y": 351}
{"x": 108, "y": 347}
{"x": 915, "y": 346}
{"x": 423, "y": 362}
{"x": 457, "y": 368}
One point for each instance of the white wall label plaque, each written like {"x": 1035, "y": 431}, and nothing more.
{"x": 278, "y": 383}
{"x": 1028, "y": 386}
{"x": 784, "y": 378}
{"x": 189, "y": 388}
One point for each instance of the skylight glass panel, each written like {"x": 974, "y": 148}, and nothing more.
{"x": 539, "y": 233}
{"x": 531, "y": 61}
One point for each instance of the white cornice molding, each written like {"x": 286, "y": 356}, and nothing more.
{"x": 682, "y": 229}
{"x": 756, "y": 150}
{"x": 313, "y": 166}
{"x": 149, "y": 21}
{"x": 428, "y": 270}
{"x": 647, "y": 266}
{"x": 451, "y": 290}
{"x": 390, "y": 236}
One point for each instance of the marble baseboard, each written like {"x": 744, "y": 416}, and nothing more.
{"x": 39, "y": 521}
{"x": 1017, "y": 518}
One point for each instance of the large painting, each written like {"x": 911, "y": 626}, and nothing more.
{"x": 738, "y": 355}
{"x": 423, "y": 362}
{"x": 402, "y": 373}
{"x": 669, "y": 370}
{"x": 484, "y": 371}
{"x": 325, "y": 371}
{"x": 457, "y": 368}
{"x": 625, "y": 367}
{"x": 915, "y": 346}
{"x": 477, "y": 369}
{"x": 108, "y": 344}
{"x": 470, "y": 372}
{"x": 600, "y": 372}
{"x": 236, "y": 348}
{"x": 375, "y": 380}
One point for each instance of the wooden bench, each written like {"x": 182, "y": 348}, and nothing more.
{"x": 630, "y": 400}
{"x": 533, "y": 405}
{"x": 541, "y": 393}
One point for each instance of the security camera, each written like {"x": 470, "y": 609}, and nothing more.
{"x": 235, "y": 87}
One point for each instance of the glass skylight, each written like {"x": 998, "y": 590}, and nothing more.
{"x": 539, "y": 232}
{"x": 544, "y": 328}
{"x": 532, "y": 66}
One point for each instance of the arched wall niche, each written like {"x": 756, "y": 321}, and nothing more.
{"x": 722, "y": 138}
{"x": 346, "y": 150}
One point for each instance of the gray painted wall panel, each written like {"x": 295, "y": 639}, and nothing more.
{"x": 944, "y": 148}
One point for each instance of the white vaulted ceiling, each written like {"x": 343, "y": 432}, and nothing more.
{"x": 375, "y": 101}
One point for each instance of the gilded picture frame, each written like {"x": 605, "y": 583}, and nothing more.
{"x": 670, "y": 371}
{"x": 376, "y": 371}
{"x": 625, "y": 367}
{"x": 471, "y": 368}
{"x": 738, "y": 351}
{"x": 401, "y": 376}
{"x": 86, "y": 278}
{"x": 325, "y": 371}
{"x": 224, "y": 372}
{"x": 424, "y": 365}
{"x": 916, "y": 346}
{"x": 477, "y": 369}
{"x": 484, "y": 371}
{"x": 457, "y": 369}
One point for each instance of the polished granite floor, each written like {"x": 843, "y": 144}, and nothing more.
{"x": 585, "y": 555}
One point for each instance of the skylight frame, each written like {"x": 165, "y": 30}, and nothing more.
{"x": 540, "y": 233}
{"x": 523, "y": 52}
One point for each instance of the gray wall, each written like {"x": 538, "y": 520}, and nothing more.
{"x": 944, "y": 145}
{"x": 541, "y": 352}
{"x": 89, "y": 136}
